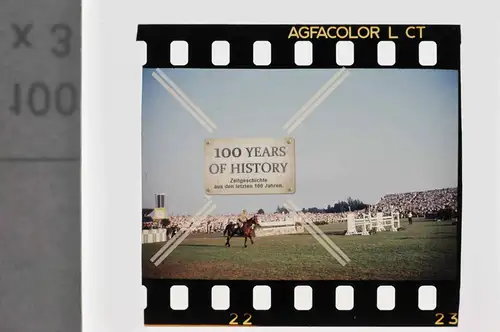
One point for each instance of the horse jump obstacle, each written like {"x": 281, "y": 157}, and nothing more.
{"x": 154, "y": 235}
{"x": 289, "y": 226}
{"x": 380, "y": 223}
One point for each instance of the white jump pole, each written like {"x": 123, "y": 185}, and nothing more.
{"x": 351, "y": 225}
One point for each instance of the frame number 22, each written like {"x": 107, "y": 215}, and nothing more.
{"x": 234, "y": 320}
{"x": 449, "y": 319}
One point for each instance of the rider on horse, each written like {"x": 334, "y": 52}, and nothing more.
{"x": 242, "y": 218}
{"x": 244, "y": 226}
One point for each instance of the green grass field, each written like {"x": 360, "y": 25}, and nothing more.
{"x": 423, "y": 251}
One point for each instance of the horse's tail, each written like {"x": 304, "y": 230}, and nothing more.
{"x": 225, "y": 231}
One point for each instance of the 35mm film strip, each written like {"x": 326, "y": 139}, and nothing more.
{"x": 361, "y": 44}
{"x": 299, "y": 303}
{"x": 348, "y": 217}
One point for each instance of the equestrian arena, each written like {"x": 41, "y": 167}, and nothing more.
{"x": 381, "y": 245}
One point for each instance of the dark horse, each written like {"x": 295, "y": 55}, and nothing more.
{"x": 247, "y": 230}
{"x": 171, "y": 231}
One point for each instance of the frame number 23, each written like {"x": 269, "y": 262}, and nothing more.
{"x": 234, "y": 320}
{"x": 449, "y": 319}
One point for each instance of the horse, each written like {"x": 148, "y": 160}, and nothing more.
{"x": 172, "y": 230}
{"x": 247, "y": 230}
{"x": 232, "y": 229}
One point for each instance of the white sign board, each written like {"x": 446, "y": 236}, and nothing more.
{"x": 250, "y": 166}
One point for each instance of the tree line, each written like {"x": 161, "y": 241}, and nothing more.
{"x": 350, "y": 204}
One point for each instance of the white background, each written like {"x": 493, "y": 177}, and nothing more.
{"x": 111, "y": 176}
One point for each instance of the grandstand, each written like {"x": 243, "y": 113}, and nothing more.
{"x": 420, "y": 203}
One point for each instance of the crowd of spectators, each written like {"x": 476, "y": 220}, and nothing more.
{"x": 419, "y": 203}
{"x": 218, "y": 223}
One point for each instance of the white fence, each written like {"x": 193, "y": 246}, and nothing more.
{"x": 154, "y": 235}
{"x": 380, "y": 223}
{"x": 289, "y": 226}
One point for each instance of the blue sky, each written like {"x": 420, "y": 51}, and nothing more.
{"x": 379, "y": 132}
